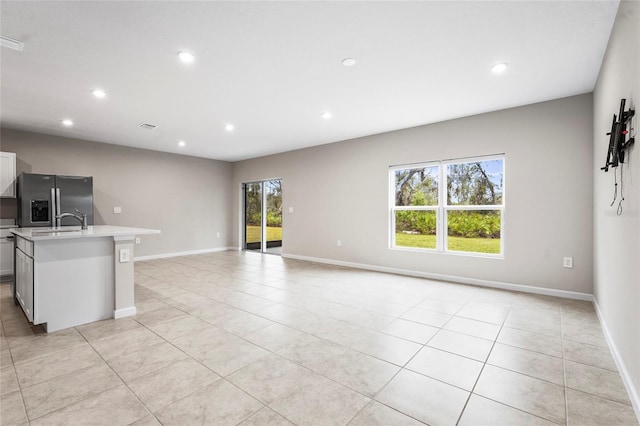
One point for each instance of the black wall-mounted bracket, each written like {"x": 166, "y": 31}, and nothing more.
{"x": 618, "y": 142}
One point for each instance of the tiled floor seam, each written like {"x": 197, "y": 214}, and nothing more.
{"x": 527, "y": 349}
{"x": 518, "y": 409}
{"x": 121, "y": 379}
{"x": 485, "y": 363}
{"x": 403, "y": 367}
{"x": 388, "y": 406}
{"x": 303, "y": 366}
{"x": 515, "y": 408}
{"x": 24, "y": 404}
{"x": 564, "y": 371}
{"x": 225, "y": 377}
{"x": 75, "y": 402}
{"x": 600, "y": 396}
{"x": 481, "y": 371}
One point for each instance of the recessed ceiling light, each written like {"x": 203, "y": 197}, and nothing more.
{"x": 229, "y": 127}
{"x": 501, "y": 67}
{"x": 326, "y": 115}
{"x": 348, "y": 62}
{"x": 67, "y": 123}
{"x": 186, "y": 57}
{"x": 182, "y": 143}
{"x": 99, "y": 93}
{"x": 11, "y": 43}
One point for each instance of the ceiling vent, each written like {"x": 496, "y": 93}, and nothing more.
{"x": 11, "y": 43}
{"x": 147, "y": 126}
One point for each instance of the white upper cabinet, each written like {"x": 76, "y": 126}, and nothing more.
{"x": 7, "y": 174}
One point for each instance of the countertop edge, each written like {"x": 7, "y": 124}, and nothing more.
{"x": 97, "y": 231}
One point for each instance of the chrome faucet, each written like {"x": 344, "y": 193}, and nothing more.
{"x": 80, "y": 216}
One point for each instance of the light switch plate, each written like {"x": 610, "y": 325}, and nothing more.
{"x": 568, "y": 262}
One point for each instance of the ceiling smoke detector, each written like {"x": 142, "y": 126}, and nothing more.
{"x": 147, "y": 126}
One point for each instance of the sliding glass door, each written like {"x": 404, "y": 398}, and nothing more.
{"x": 253, "y": 216}
{"x": 263, "y": 216}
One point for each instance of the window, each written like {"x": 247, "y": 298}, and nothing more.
{"x": 449, "y": 206}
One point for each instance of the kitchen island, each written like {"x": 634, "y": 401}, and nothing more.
{"x": 68, "y": 276}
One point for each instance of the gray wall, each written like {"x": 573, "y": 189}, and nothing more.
{"x": 617, "y": 238}
{"x": 187, "y": 198}
{"x": 340, "y": 191}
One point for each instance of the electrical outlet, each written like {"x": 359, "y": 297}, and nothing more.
{"x": 290, "y": 209}
{"x": 138, "y": 240}
{"x": 125, "y": 255}
{"x": 117, "y": 210}
{"x": 217, "y": 235}
{"x": 339, "y": 243}
{"x": 568, "y": 262}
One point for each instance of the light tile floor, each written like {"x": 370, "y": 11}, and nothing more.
{"x": 238, "y": 338}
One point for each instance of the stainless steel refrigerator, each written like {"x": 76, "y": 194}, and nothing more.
{"x": 42, "y": 197}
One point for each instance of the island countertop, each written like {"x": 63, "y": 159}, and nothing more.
{"x": 70, "y": 232}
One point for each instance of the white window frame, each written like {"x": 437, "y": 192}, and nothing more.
{"x": 394, "y": 208}
{"x": 443, "y": 208}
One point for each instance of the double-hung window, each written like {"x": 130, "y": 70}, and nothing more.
{"x": 449, "y": 206}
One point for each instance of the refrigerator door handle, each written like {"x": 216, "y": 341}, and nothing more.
{"x": 52, "y": 210}
{"x": 58, "y": 212}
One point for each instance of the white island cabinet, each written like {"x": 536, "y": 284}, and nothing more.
{"x": 68, "y": 276}
{"x": 24, "y": 276}
{"x": 6, "y": 250}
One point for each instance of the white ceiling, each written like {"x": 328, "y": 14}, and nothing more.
{"x": 272, "y": 68}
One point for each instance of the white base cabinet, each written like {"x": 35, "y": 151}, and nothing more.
{"x": 6, "y": 253}
{"x": 24, "y": 279}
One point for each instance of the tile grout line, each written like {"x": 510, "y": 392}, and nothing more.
{"x": 13, "y": 365}
{"x": 121, "y": 379}
{"x": 480, "y": 374}
{"x": 75, "y": 402}
{"x": 484, "y": 364}
{"x": 564, "y": 371}
{"x": 403, "y": 367}
{"x": 223, "y": 378}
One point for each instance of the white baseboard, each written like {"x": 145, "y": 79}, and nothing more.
{"x": 451, "y": 278}
{"x": 634, "y": 394}
{"x": 440, "y": 277}
{"x": 124, "y": 312}
{"x": 182, "y": 253}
